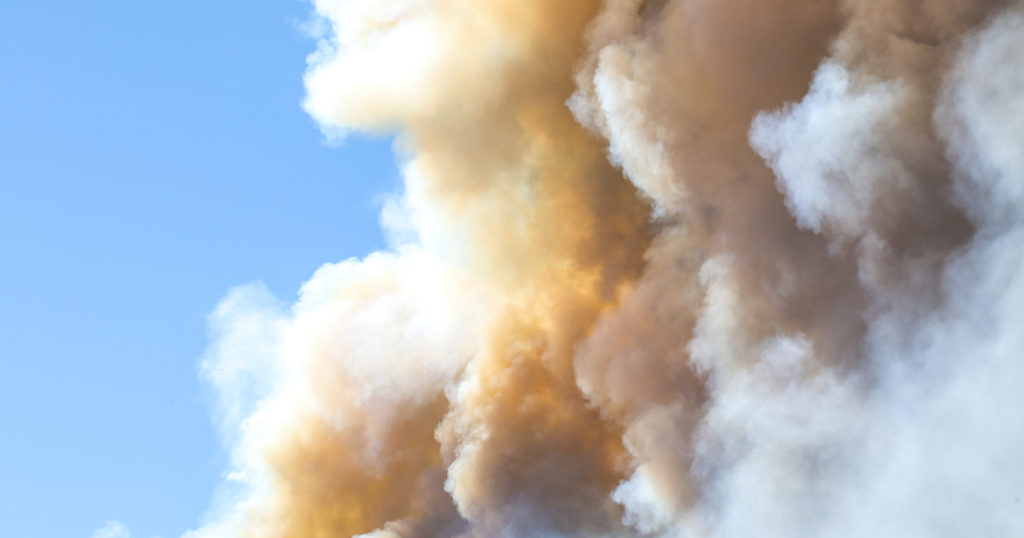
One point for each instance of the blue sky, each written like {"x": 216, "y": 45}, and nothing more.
{"x": 152, "y": 156}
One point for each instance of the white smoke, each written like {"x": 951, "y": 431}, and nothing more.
{"x": 680, "y": 268}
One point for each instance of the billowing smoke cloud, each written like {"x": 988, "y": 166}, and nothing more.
{"x": 680, "y": 268}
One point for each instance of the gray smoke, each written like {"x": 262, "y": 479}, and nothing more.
{"x": 677, "y": 268}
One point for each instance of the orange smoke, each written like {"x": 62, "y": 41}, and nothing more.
{"x": 674, "y": 268}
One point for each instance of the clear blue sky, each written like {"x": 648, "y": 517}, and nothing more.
{"x": 153, "y": 154}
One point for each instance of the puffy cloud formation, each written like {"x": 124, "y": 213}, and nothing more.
{"x": 670, "y": 268}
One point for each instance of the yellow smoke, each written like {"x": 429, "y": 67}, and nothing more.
{"x": 666, "y": 266}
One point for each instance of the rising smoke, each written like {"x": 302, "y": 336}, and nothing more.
{"x": 667, "y": 268}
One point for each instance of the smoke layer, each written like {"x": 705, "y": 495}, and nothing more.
{"x": 680, "y": 268}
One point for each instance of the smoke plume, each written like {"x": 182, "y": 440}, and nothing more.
{"x": 666, "y": 268}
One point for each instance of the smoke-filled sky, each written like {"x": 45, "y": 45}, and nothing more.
{"x": 681, "y": 268}
{"x": 673, "y": 268}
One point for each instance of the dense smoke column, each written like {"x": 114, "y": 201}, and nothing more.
{"x": 799, "y": 284}
{"x": 694, "y": 268}
{"x": 516, "y": 206}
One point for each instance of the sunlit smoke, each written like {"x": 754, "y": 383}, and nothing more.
{"x": 670, "y": 268}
